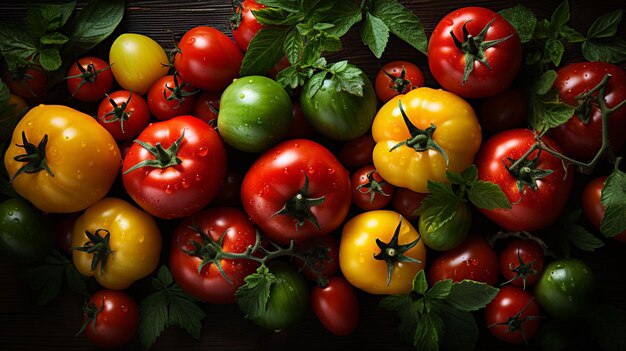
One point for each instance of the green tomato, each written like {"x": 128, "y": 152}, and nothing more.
{"x": 337, "y": 114}
{"x": 289, "y": 298}
{"x": 449, "y": 234}
{"x": 565, "y": 288}
{"x": 255, "y": 113}
{"x": 25, "y": 236}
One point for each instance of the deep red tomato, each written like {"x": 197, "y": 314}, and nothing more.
{"x": 196, "y": 238}
{"x": 175, "y": 167}
{"x": 116, "y": 318}
{"x": 296, "y": 190}
{"x": 124, "y": 114}
{"x": 323, "y": 251}
{"x": 27, "y": 82}
{"x": 513, "y": 315}
{"x": 397, "y": 77}
{"x": 593, "y": 208}
{"x": 207, "y": 59}
{"x": 406, "y": 201}
{"x": 336, "y": 305}
{"x": 581, "y": 136}
{"x": 474, "y": 52}
{"x": 207, "y": 106}
{"x": 505, "y": 110}
{"x": 170, "y": 96}
{"x": 299, "y": 127}
{"x": 542, "y": 199}
{"x": 521, "y": 262}
{"x": 89, "y": 79}
{"x": 357, "y": 152}
{"x": 244, "y": 25}
{"x": 65, "y": 231}
{"x": 474, "y": 259}
{"x": 279, "y": 66}
{"x": 369, "y": 190}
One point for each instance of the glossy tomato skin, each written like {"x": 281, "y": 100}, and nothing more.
{"x": 362, "y": 191}
{"x": 406, "y": 201}
{"x": 159, "y": 93}
{"x": 537, "y": 208}
{"x": 207, "y": 59}
{"x": 582, "y": 140}
{"x": 530, "y": 253}
{"x": 137, "y": 61}
{"x": 474, "y": 259}
{"x": 24, "y": 232}
{"x": 447, "y": 62}
{"x": 208, "y": 285}
{"x": 27, "y": 83}
{"x": 336, "y": 305}
{"x": 449, "y": 234}
{"x": 324, "y": 254}
{"x": 98, "y": 82}
{"x": 207, "y": 107}
{"x": 510, "y": 301}
{"x": 279, "y": 175}
{"x": 386, "y": 88}
{"x": 505, "y": 110}
{"x": 116, "y": 322}
{"x": 593, "y": 208}
{"x": 178, "y": 190}
{"x": 357, "y": 152}
{"x": 132, "y": 118}
{"x": 248, "y": 26}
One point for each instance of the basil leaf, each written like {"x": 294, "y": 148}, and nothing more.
{"x": 582, "y": 238}
{"x": 613, "y": 198}
{"x": 469, "y": 295}
{"x": 50, "y": 59}
{"x": 488, "y": 195}
{"x": 402, "y": 23}
{"x": 461, "y": 332}
{"x": 560, "y": 16}
{"x": 428, "y": 332}
{"x": 612, "y": 50}
{"x": 571, "y": 34}
{"x": 375, "y": 34}
{"x": 440, "y": 290}
{"x": 544, "y": 82}
{"x": 548, "y": 112}
{"x": 606, "y": 25}
{"x": 265, "y": 49}
{"x": 522, "y": 19}
{"x": 554, "y": 50}
{"x": 420, "y": 284}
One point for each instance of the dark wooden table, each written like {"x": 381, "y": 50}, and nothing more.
{"x": 24, "y": 326}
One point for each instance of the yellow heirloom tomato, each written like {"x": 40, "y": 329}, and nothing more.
{"x": 437, "y": 131}
{"x": 115, "y": 242}
{"x": 61, "y": 160}
{"x": 380, "y": 252}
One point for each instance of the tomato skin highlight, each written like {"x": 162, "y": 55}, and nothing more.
{"x": 248, "y": 26}
{"x": 593, "y": 207}
{"x": 116, "y": 323}
{"x": 530, "y": 253}
{"x": 510, "y": 301}
{"x": 336, "y": 306}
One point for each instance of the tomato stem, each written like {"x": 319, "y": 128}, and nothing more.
{"x": 98, "y": 246}
{"x": 118, "y": 113}
{"x": 299, "y": 206}
{"x": 393, "y": 253}
{"x": 372, "y": 187}
{"x": 35, "y": 157}
{"x": 163, "y": 158}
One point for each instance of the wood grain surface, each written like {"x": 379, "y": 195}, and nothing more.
{"x": 24, "y": 326}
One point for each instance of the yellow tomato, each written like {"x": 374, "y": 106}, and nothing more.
{"x": 457, "y": 132}
{"x": 137, "y": 62}
{"x": 134, "y": 243}
{"x": 70, "y": 161}
{"x": 358, "y": 249}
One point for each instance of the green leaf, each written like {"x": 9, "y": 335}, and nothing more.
{"x": 488, "y": 195}
{"x": 571, "y": 34}
{"x": 543, "y": 30}
{"x": 316, "y": 82}
{"x": 311, "y": 53}
{"x": 274, "y": 17}
{"x": 375, "y": 34}
{"x": 75, "y": 281}
{"x": 548, "y": 112}
{"x": 94, "y": 23}
{"x": 461, "y": 331}
{"x": 409, "y": 317}
{"x": 582, "y": 238}
{"x": 470, "y": 174}
{"x": 252, "y": 297}
{"x": 344, "y": 15}
{"x": 613, "y": 198}
{"x": 54, "y": 39}
{"x": 293, "y": 46}
{"x": 522, "y": 19}
{"x": 554, "y": 50}
{"x": 47, "y": 278}
{"x": 612, "y": 49}
{"x": 606, "y": 326}
{"x": 544, "y": 82}
{"x": 184, "y": 312}
{"x": 56, "y": 15}
{"x": 50, "y": 59}
{"x": 350, "y": 79}
{"x": 153, "y": 317}
{"x": 428, "y": 332}
{"x": 469, "y": 295}
{"x": 420, "y": 284}
{"x": 164, "y": 276}
{"x": 396, "y": 302}
{"x": 289, "y": 5}
{"x": 402, "y": 23}
{"x": 265, "y": 49}
{"x": 440, "y": 290}
{"x": 15, "y": 43}
{"x": 436, "y": 215}
{"x": 560, "y": 16}
{"x": 606, "y": 25}
{"x": 330, "y": 43}
{"x": 455, "y": 178}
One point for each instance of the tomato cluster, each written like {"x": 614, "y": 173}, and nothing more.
{"x": 245, "y": 171}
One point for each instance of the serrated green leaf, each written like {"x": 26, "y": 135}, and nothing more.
{"x": 522, "y": 19}
{"x": 554, "y": 50}
{"x": 265, "y": 49}
{"x": 548, "y": 112}
{"x": 611, "y": 50}
{"x": 571, "y": 34}
{"x": 312, "y": 52}
{"x": 488, "y": 195}
{"x": 440, "y": 290}
{"x": 153, "y": 317}
{"x": 437, "y": 215}
{"x": 338, "y": 66}
{"x": 395, "y": 302}
{"x": 613, "y": 198}
{"x": 420, "y": 284}
{"x": 440, "y": 190}
{"x": 428, "y": 332}
{"x": 47, "y": 278}
{"x": 455, "y": 178}
{"x": 271, "y": 16}
{"x": 544, "y": 82}
{"x": 293, "y": 46}
{"x": 606, "y": 326}
{"x": 582, "y": 238}
{"x": 54, "y": 39}
{"x": 56, "y": 15}
{"x": 315, "y": 83}
{"x": 289, "y": 5}
{"x": 402, "y": 23}
{"x": 186, "y": 314}
{"x": 252, "y": 297}
{"x": 330, "y": 43}
{"x": 375, "y": 34}
{"x": 461, "y": 332}
{"x": 351, "y": 79}
{"x": 469, "y": 295}
{"x": 560, "y": 16}
{"x": 606, "y": 25}
{"x": 344, "y": 15}
{"x": 470, "y": 174}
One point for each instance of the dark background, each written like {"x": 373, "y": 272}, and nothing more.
{"x": 24, "y": 326}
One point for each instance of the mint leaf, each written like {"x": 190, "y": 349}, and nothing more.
{"x": 606, "y": 326}
{"x": 293, "y": 46}
{"x": 54, "y": 16}
{"x": 428, "y": 332}
{"x": 582, "y": 238}
{"x": 544, "y": 82}
{"x": 571, "y": 35}
{"x": 560, "y": 16}
{"x": 402, "y": 23}
{"x": 469, "y": 295}
{"x": 375, "y": 34}
{"x": 50, "y": 59}
{"x": 440, "y": 290}
{"x": 420, "y": 284}
{"x": 606, "y": 25}
{"x": 252, "y": 297}
{"x": 554, "y": 50}
{"x": 522, "y": 19}
{"x": 488, "y": 195}
{"x": 265, "y": 49}
{"x": 351, "y": 79}
{"x": 613, "y": 198}
{"x": 612, "y": 49}
{"x": 344, "y": 15}
{"x": 461, "y": 332}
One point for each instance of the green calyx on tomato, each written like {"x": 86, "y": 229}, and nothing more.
{"x": 522, "y": 270}
{"x": 163, "y": 158}
{"x": 210, "y": 251}
{"x": 420, "y": 140}
{"x": 372, "y": 186}
{"x": 35, "y": 157}
{"x": 299, "y": 206}
{"x": 177, "y": 92}
{"x": 393, "y": 253}
{"x": 98, "y": 246}
{"x": 118, "y": 113}
{"x": 90, "y": 311}
{"x": 88, "y": 75}
{"x": 516, "y": 322}
{"x": 526, "y": 172}
{"x": 400, "y": 83}
{"x": 474, "y": 47}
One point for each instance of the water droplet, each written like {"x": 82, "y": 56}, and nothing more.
{"x": 83, "y": 143}
{"x": 168, "y": 189}
{"x": 141, "y": 239}
{"x": 259, "y": 121}
{"x": 198, "y": 177}
{"x": 570, "y": 298}
{"x": 331, "y": 171}
{"x": 124, "y": 308}
{"x": 311, "y": 170}
{"x": 111, "y": 147}
{"x": 90, "y": 163}
{"x": 185, "y": 183}
{"x": 10, "y": 213}
{"x": 242, "y": 96}
{"x": 286, "y": 170}
{"x": 202, "y": 151}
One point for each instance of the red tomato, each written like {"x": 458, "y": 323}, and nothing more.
{"x": 296, "y": 190}
{"x": 224, "y": 227}
{"x": 207, "y": 59}
{"x": 124, "y": 114}
{"x": 397, "y": 77}
{"x": 357, "y": 152}
{"x": 593, "y": 208}
{"x": 279, "y": 66}
{"x": 207, "y": 106}
{"x": 244, "y": 25}
{"x": 406, "y": 201}
{"x": 505, "y": 110}
{"x": 513, "y": 315}
{"x": 336, "y": 305}
{"x": 521, "y": 262}
{"x": 175, "y": 167}
{"x": 474, "y": 259}
{"x": 323, "y": 251}
{"x": 542, "y": 199}
{"x": 454, "y": 54}
{"x": 27, "y": 82}
{"x": 369, "y": 190}
{"x": 169, "y": 97}
{"x": 581, "y": 136}
{"x": 116, "y": 315}
{"x": 89, "y": 79}
{"x": 299, "y": 127}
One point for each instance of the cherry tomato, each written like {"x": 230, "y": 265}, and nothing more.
{"x": 111, "y": 318}
{"x": 594, "y": 210}
{"x": 170, "y": 96}
{"x": 505, "y": 110}
{"x": 521, "y": 262}
{"x": 406, "y": 201}
{"x": 323, "y": 253}
{"x": 124, "y": 114}
{"x": 27, "y": 82}
{"x": 369, "y": 190}
{"x": 357, "y": 152}
{"x": 397, "y": 77}
{"x": 207, "y": 107}
{"x": 513, "y": 315}
{"x": 336, "y": 305}
{"x": 244, "y": 25}
{"x": 89, "y": 79}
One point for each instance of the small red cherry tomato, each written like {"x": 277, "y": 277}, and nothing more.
{"x": 336, "y": 305}
{"x": 397, "y": 77}
{"x": 369, "y": 190}
{"x": 89, "y": 79}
